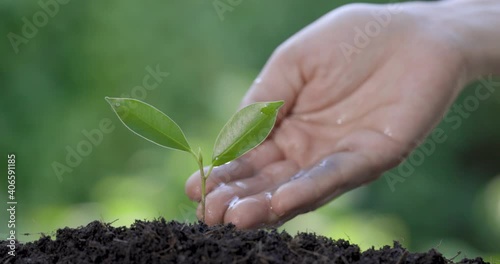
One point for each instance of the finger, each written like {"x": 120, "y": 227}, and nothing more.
{"x": 328, "y": 179}
{"x": 251, "y": 212}
{"x": 280, "y": 79}
{"x": 241, "y": 168}
{"x": 227, "y": 195}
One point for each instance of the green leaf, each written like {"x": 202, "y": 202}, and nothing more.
{"x": 149, "y": 123}
{"x": 244, "y": 131}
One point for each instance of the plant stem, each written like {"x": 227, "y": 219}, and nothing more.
{"x": 203, "y": 188}
{"x": 203, "y": 177}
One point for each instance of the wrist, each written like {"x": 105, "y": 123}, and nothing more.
{"x": 472, "y": 28}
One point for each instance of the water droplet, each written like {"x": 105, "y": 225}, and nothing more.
{"x": 241, "y": 185}
{"x": 298, "y": 175}
{"x": 322, "y": 164}
{"x": 117, "y": 104}
{"x": 388, "y": 132}
{"x": 233, "y": 202}
{"x": 258, "y": 80}
{"x": 341, "y": 120}
{"x": 269, "y": 196}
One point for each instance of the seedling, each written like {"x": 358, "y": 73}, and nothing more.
{"x": 246, "y": 129}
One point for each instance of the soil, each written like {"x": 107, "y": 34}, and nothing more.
{"x": 159, "y": 241}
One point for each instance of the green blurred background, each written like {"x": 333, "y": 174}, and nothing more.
{"x": 53, "y": 89}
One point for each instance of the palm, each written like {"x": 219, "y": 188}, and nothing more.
{"x": 352, "y": 119}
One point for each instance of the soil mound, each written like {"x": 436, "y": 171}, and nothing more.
{"x": 159, "y": 241}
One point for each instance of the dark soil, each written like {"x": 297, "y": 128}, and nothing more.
{"x": 172, "y": 242}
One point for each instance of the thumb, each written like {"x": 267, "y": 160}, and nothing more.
{"x": 280, "y": 79}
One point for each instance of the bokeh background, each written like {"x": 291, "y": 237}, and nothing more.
{"x": 52, "y": 94}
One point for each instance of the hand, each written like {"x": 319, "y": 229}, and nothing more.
{"x": 347, "y": 117}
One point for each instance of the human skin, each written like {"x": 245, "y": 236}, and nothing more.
{"x": 348, "y": 117}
